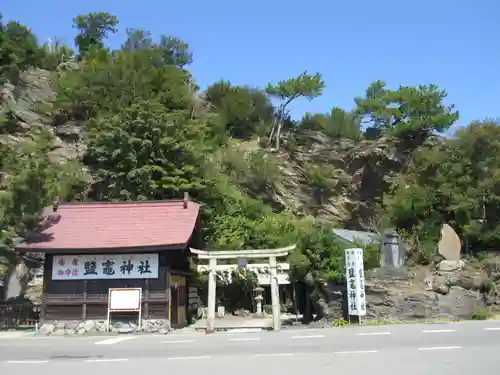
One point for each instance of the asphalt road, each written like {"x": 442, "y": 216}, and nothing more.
{"x": 468, "y": 348}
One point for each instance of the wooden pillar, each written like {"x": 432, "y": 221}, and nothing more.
{"x": 211, "y": 295}
{"x": 43, "y": 311}
{"x": 275, "y": 294}
{"x": 146, "y": 298}
{"x": 169, "y": 299}
{"x": 47, "y": 274}
{"x": 84, "y": 306}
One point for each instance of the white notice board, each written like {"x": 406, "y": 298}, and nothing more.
{"x": 125, "y": 299}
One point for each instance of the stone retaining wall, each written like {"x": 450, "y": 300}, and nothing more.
{"x": 67, "y": 328}
{"x": 403, "y": 295}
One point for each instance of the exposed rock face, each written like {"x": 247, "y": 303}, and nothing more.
{"x": 362, "y": 172}
{"x": 422, "y": 294}
{"x": 31, "y": 103}
{"x": 405, "y": 297}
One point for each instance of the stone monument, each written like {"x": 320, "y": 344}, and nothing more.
{"x": 392, "y": 253}
{"x": 449, "y": 245}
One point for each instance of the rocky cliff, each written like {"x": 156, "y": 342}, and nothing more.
{"x": 31, "y": 103}
{"x": 356, "y": 174}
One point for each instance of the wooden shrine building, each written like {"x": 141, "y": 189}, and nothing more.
{"x": 91, "y": 247}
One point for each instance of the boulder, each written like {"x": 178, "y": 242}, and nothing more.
{"x": 89, "y": 325}
{"x": 450, "y": 265}
{"x": 47, "y": 329}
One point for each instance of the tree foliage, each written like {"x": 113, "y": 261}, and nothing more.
{"x": 30, "y": 182}
{"x": 172, "y": 50}
{"x": 408, "y": 112}
{"x": 111, "y": 82}
{"x": 18, "y": 50}
{"x": 145, "y": 152}
{"x": 93, "y": 28}
{"x": 305, "y": 85}
{"x": 338, "y": 124}
{"x": 245, "y": 111}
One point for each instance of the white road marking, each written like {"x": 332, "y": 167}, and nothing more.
{"x": 107, "y": 360}
{"x": 372, "y": 333}
{"x": 27, "y": 362}
{"x": 356, "y": 352}
{"x": 272, "y": 354}
{"x": 115, "y": 340}
{"x": 177, "y": 341}
{"x": 244, "y": 330}
{"x": 245, "y": 339}
{"x": 236, "y": 331}
{"x": 440, "y": 348}
{"x": 308, "y": 337}
{"x": 492, "y": 329}
{"x": 305, "y": 330}
{"x": 437, "y": 330}
{"x": 180, "y": 358}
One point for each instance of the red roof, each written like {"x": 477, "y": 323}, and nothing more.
{"x": 118, "y": 225}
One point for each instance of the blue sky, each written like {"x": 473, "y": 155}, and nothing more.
{"x": 455, "y": 44}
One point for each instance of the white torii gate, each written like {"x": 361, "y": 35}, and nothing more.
{"x": 212, "y": 257}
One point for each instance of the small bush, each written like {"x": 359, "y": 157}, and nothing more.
{"x": 268, "y": 309}
{"x": 481, "y": 314}
{"x": 340, "y": 323}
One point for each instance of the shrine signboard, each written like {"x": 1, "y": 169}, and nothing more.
{"x": 116, "y": 266}
{"x": 355, "y": 278}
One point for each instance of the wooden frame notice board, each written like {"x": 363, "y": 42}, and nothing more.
{"x": 124, "y": 300}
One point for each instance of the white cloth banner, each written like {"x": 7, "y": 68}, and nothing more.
{"x": 116, "y": 266}
{"x": 265, "y": 279}
{"x": 355, "y": 277}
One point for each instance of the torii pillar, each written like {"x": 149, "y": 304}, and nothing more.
{"x": 271, "y": 254}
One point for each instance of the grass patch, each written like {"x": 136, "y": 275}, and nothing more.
{"x": 481, "y": 314}
{"x": 339, "y": 323}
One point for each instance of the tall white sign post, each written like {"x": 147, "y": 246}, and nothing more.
{"x": 355, "y": 277}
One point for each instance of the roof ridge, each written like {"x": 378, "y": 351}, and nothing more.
{"x": 96, "y": 203}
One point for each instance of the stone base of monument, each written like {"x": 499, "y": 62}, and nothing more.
{"x": 450, "y": 265}
{"x": 390, "y": 273}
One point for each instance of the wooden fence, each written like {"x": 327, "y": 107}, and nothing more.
{"x": 18, "y": 314}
